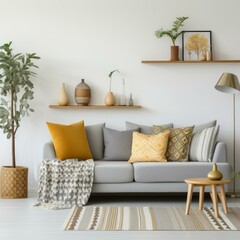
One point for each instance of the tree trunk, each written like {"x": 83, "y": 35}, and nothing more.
{"x": 13, "y": 131}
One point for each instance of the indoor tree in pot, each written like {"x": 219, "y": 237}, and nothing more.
{"x": 16, "y": 90}
{"x": 173, "y": 33}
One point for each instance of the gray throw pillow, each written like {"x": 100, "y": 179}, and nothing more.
{"x": 118, "y": 144}
{"x": 204, "y": 125}
{"x": 145, "y": 129}
{"x": 95, "y": 140}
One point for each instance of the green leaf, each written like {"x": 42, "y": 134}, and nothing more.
{"x": 9, "y": 135}
{"x": 4, "y": 102}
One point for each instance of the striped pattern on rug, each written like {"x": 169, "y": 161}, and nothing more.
{"x": 150, "y": 219}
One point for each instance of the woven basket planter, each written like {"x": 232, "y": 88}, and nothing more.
{"x": 13, "y": 182}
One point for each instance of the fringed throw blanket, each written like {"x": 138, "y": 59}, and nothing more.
{"x": 64, "y": 184}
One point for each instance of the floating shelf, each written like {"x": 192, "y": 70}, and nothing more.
{"x": 213, "y": 61}
{"x": 94, "y": 107}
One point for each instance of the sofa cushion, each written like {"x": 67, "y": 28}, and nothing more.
{"x": 202, "y": 144}
{"x": 149, "y": 148}
{"x": 179, "y": 142}
{"x": 113, "y": 172}
{"x": 204, "y": 126}
{"x": 95, "y": 140}
{"x": 146, "y": 129}
{"x": 70, "y": 141}
{"x": 174, "y": 171}
{"x": 117, "y": 144}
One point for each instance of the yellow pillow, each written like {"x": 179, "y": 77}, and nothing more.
{"x": 70, "y": 141}
{"x": 149, "y": 148}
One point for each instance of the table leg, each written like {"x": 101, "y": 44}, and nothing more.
{"x": 201, "y": 197}
{"x": 189, "y": 198}
{"x": 223, "y": 199}
{"x": 215, "y": 200}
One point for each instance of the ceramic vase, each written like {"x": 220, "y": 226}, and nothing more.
{"x": 82, "y": 94}
{"x": 215, "y": 174}
{"x": 110, "y": 99}
{"x": 174, "y": 53}
{"x": 63, "y": 99}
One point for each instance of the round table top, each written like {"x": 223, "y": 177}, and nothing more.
{"x": 206, "y": 181}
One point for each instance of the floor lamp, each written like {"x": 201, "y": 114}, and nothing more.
{"x": 229, "y": 83}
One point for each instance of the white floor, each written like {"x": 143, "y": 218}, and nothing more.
{"x": 19, "y": 220}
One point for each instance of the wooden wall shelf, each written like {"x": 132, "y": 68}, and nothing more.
{"x": 94, "y": 107}
{"x": 213, "y": 61}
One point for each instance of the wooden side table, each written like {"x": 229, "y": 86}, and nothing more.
{"x": 202, "y": 183}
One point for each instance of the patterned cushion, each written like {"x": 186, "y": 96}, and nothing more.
{"x": 149, "y": 148}
{"x": 70, "y": 141}
{"x": 202, "y": 144}
{"x": 179, "y": 141}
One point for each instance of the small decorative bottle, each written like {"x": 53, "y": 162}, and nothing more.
{"x": 209, "y": 55}
{"x": 63, "y": 99}
{"x": 123, "y": 96}
{"x": 131, "y": 100}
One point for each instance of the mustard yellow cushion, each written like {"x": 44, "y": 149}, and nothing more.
{"x": 149, "y": 148}
{"x": 70, "y": 141}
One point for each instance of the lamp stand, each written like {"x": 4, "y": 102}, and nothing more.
{"x": 234, "y": 194}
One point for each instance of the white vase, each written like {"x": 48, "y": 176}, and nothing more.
{"x": 63, "y": 99}
{"x": 123, "y": 96}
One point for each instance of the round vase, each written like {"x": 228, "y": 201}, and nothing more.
{"x": 174, "y": 53}
{"x": 215, "y": 174}
{"x": 63, "y": 99}
{"x": 110, "y": 99}
{"x": 82, "y": 94}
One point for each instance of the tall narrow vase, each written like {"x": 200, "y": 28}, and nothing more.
{"x": 174, "y": 53}
{"x": 123, "y": 96}
{"x": 110, "y": 99}
{"x": 63, "y": 99}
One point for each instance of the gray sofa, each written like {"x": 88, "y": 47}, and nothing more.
{"x": 120, "y": 176}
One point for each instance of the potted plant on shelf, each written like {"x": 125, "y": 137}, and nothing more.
{"x": 110, "y": 99}
{"x": 173, "y": 33}
{"x": 16, "y": 90}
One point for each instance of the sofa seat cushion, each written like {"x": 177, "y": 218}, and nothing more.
{"x": 175, "y": 171}
{"x": 113, "y": 172}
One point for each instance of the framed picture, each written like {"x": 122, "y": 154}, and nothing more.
{"x": 195, "y": 44}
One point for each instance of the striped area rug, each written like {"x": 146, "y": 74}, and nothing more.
{"x": 150, "y": 219}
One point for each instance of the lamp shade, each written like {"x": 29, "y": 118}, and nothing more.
{"x": 228, "y": 83}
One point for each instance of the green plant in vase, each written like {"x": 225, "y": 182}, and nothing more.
{"x": 16, "y": 90}
{"x": 173, "y": 34}
{"x": 110, "y": 99}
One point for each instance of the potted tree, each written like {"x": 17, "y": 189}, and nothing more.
{"x": 16, "y": 90}
{"x": 173, "y": 33}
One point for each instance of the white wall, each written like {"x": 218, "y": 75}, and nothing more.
{"x": 89, "y": 38}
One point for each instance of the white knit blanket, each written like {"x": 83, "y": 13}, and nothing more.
{"x": 64, "y": 184}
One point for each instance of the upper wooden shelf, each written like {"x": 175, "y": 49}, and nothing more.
{"x": 94, "y": 107}
{"x": 213, "y": 61}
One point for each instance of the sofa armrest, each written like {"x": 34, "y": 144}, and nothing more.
{"x": 48, "y": 151}
{"x": 220, "y": 153}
